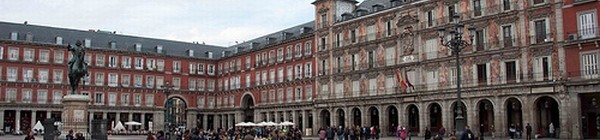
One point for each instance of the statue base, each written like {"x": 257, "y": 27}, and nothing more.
{"x": 75, "y": 115}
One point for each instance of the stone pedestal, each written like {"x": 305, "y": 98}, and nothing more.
{"x": 75, "y": 114}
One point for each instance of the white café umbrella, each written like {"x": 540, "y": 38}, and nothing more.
{"x": 272, "y": 124}
{"x": 286, "y": 123}
{"x": 241, "y": 124}
{"x": 119, "y": 127}
{"x": 250, "y": 124}
{"x": 262, "y": 124}
{"x": 38, "y": 126}
{"x": 133, "y": 123}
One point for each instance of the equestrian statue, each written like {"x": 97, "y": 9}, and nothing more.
{"x": 77, "y": 67}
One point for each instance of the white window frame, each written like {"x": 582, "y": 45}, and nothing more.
{"x": 113, "y": 79}
{"x": 99, "y": 79}
{"x": 57, "y": 96}
{"x": 99, "y": 101}
{"x": 149, "y": 100}
{"x": 137, "y": 99}
{"x": 160, "y": 65}
{"x": 308, "y": 48}
{"x": 591, "y": 30}
{"x": 28, "y": 55}
{"x": 59, "y": 56}
{"x": 100, "y": 58}
{"x": 113, "y": 61}
{"x": 590, "y": 70}
{"x": 125, "y": 80}
{"x": 139, "y": 63}
{"x": 13, "y": 53}
{"x": 211, "y": 69}
{"x": 112, "y": 99}
{"x": 57, "y": 76}
{"x": 126, "y": 62}
{"x": 125, "y": 99}
{"x": 43, "y": 75}
{"x": 192, "y": 68}
{"x": 44, "y": 56}
{"x": 42, "y": 96}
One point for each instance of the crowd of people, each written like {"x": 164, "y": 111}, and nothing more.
{"x": 237, "y": 133}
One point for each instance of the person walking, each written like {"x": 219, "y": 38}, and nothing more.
{"x": 322, "y": 134}
{"x": 467, "y": 134}
{"x": 150, "y": 136}
{"x": 427, "y": 133}
{"x": 70, "y": 135}
{"x": 551, "y": 130}
{"x": 340, "y": 133}
{"x": 528, "y": 131}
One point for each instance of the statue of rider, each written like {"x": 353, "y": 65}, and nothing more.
{"x": 75, "y": 52}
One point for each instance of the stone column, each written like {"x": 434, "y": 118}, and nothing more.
{"x": 423, "y": 118}
{"x": 33, "y": 118}
{"x": 2, "y": 119}
{"x": 304, "y": 120}
{"x": 447, "y": 115}
{"x": 348, "y": 114}
{"x": 18, "y": 120}
{"x": 316, "y": 122}
{"x": 363, "y": 118}
{"x": 232, "y": 120}
{"x": 268, "y": 116}
{"x": 473, "y": 116}
{"x": 286, "y": 116}
{"x": 130, "y": 117}
{"x": 383, "y": 124}
{"x": 500, "y": 117}
{"x": 48, "y": 115}
{"x": 104, "y": 115}
{"x": 295, "y": 118}
{"x": 159, "y": 121}
{"x": 333, "y": 117}
{"x": 191, "y": 121}
{"x": 204, "y": 122}
{"x": 277, "y": 116}
{"x": 217, "y": 121}
{"x": 143, "y": 119}
{"x": 90, "y": 117}
{"x": 118, "y": 117}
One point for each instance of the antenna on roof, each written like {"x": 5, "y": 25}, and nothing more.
{"x": 25, "y": 22}
{"x": 203, "y": 43}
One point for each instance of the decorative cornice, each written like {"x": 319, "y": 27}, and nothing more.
{"x": 541, "y": 51}
{"x": 430, "y": 35}
{"x": 407, "y": 19}
{"x": 372, "y": 21}
{"x": 371, "y": 75}
{"x": 450, "y": 2}
{"x": 355, "y": 77}
{"x": 508, "y": 19}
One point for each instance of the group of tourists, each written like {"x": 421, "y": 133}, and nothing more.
{"x": 237, "y": 133}
{"x": 349, "y": 133}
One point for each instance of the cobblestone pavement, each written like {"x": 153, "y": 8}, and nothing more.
{"x": 137, "y": 137}
{"x": 141, "y": 137}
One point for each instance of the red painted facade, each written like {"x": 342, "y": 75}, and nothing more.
{"x": 575, "y": 45}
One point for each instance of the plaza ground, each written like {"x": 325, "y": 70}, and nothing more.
{"x": 141, "y": 137}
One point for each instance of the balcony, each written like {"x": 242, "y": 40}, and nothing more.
{"x": 583, "y": 35}
{"x": 541, "y": 38}
{"x": 582, "y": 75}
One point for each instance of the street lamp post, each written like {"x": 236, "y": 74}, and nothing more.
{"x": 167, "y": 90}
{"x": 456, "y": 44}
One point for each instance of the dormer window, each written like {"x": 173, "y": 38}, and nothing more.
{"x": 14, "y": 36}
{"x": 29, "y": 37}
{"x": 209, "y": 54}
{"x": 87, "y": 43}
{"x": 59, "y": 40}
{"x": 138, "y": 47}
{"x": 159, "y": 49}
{"x": 347, "y": 16}
{"x": 113, "y": 45}
{"x": 377, "y": 7}
{"x": 190, "y": 53}
{"x": 361, "y": 12}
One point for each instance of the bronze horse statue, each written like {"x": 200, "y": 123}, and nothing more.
{"x": 77, "y": 67}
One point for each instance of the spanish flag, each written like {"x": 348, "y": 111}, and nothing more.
{"x": 400, "y": 78}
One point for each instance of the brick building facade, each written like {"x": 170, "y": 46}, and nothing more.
{"x": 531, "y": 62}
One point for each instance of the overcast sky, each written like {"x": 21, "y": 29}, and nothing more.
{"x": 215, "y": 22}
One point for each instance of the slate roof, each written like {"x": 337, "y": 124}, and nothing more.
{"x": 277, "y": 37}
{"x": 101, "y": 40}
